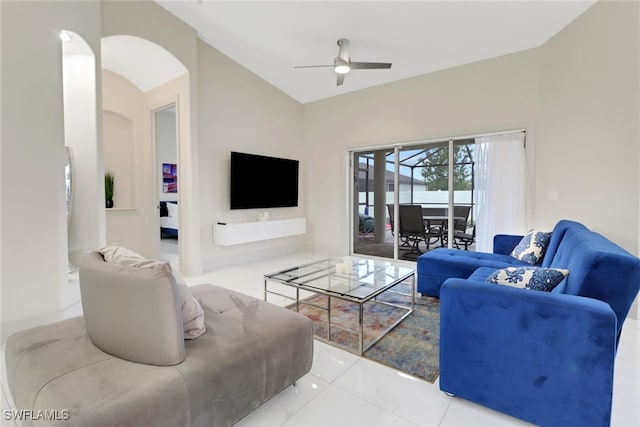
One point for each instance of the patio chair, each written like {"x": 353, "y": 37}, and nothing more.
{"x": 435, "y": 221}
{"x": 460, "y": 211}
{"x": 412, "y": 229}
{"x": 404, "y": 242}
{"x": 460, "y": 226}
{"x": 464, "y": 238}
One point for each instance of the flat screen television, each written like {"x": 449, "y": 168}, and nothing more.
{"x": 263, "y": 182}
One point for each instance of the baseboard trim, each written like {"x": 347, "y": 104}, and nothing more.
{"x": 218, "y": 263}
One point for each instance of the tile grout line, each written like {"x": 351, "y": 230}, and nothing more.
{"x": 363, "y": 398}
{"x": 444, "y": 414}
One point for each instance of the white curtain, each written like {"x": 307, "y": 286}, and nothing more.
{"x": 500, "y": 188}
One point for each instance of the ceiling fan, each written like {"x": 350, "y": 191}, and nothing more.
{"x": 342, "y": 64}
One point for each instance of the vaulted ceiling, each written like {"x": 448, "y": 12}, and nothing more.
{"x": 271, "y": 37}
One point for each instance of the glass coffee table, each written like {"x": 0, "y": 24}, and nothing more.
{"x": 357, "y": 280}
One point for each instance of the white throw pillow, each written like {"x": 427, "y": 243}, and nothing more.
{"x": 128, "y": 258}
{"x": 192, "y": 313}
{"x": 537, "y": 278}
{"x": 172, "y": 210}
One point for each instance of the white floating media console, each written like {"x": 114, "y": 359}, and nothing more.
{"x": 247, "y": 232}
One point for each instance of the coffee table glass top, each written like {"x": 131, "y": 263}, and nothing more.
{"x": 358, "y": 279}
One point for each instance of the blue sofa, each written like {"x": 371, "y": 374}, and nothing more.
{"x": 544, "y": 357}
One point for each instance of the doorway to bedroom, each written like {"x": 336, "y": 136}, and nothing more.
{"x": 166, "y": 147}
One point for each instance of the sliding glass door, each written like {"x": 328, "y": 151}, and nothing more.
{"x": 373, "y": 183}
{"x": 463, "y": 194}
{"x": 437, "y": 177}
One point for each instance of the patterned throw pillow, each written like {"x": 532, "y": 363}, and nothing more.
{"x": 532, "y": 246}
{"x": 537, "y": 278}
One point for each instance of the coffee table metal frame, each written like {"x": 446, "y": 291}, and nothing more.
{"x": 326, "y": 268}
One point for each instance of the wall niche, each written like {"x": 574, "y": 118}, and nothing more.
{"x": 119, "y": 143}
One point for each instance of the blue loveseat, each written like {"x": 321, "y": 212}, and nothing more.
{"x": 544, "y": 357}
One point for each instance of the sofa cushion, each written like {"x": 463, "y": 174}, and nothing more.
{"x": 600, "y": 269}
{"x": 532, "y": 246}
{"x": 246, "y": 340}
{"x": 536, "y": 278}
{"x": 192, "y": 314}
{"x": 438, "y": 265}
{"x": 557, "y": 235}
{"x": 130, "y": 312}
{"x": 251, "y": 351}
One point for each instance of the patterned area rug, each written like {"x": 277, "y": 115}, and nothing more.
{"x": 412, "y": 346}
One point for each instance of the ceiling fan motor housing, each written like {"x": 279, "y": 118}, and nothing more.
{"x": 343, "y": 51}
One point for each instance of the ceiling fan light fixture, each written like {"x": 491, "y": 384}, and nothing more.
{"x": 342, "y": 68}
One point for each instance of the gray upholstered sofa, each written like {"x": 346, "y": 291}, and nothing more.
{"x": 126, "y": 362}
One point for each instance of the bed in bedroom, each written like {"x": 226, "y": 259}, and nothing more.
{"x": 168, "y": 219}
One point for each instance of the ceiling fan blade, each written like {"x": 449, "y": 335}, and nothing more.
{"x": 342, "y": 63}
{"x": 312, "y": 66}
{"x": 370, "y": 65}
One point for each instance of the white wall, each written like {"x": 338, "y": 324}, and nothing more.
{"x": 127, "y": 154}
{"x": 582, "y": 83}
{"x": 34, "y": 236}
{"x": 86, "y": 226}
{"x": 590, "y": 129}
{"x": 2, "y": 371}
{"x": 575, "y": 95}
{"x": 589, "y": 137}
{"x": 241, "y": 112}
{"x": 119, "y": 135}
{"x": 492, "y": 95}
{"x": 33, "y": 219}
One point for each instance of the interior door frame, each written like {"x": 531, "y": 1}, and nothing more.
{"x": 165, "y": 104}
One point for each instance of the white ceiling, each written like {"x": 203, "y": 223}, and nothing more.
{"x": 418, "y": 37}
{"x": 143, "y": 63}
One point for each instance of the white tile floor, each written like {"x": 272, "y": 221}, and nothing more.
{"x": 345, "y": 390}
{"x": 360, "y": 392}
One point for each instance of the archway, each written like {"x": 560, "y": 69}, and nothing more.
{"x": 140, "y": 77}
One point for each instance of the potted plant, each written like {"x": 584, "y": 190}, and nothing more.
{"x": 109, "y": 180}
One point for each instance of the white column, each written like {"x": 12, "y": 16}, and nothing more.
{"x": 380, "y": 194}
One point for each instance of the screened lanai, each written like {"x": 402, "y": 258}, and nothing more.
{"x": 422, "y": 179}
{"x": 477, "y": 184}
